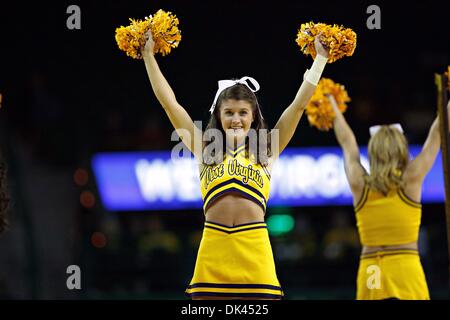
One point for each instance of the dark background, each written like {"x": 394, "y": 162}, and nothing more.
{"x": 70, "y": 93}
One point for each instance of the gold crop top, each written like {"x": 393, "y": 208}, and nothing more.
{"x": 387, "y": 220}
{"x": 235, "y": 174}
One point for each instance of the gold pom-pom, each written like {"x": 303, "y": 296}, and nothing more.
{"x": 164, "y": 28}
{"x": 339, "y": 40}
{"x": 165, "y": 32}
{"x": 319, "y": 110}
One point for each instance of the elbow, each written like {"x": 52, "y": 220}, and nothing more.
{"x": 166, "y": 102}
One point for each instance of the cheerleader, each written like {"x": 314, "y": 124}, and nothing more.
{"x": 235, "y": 259}
{"x": 388, "y": 209}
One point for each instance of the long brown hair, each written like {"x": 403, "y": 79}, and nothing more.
{"x": 388, "y": 156}
{"x": 238, "y": 92}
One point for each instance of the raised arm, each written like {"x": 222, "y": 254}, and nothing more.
{"x": 419, "y": 167}
{"x": 291, "y": 116}
{"x": 353, "y": 169}
{"x": 178, "y": 116}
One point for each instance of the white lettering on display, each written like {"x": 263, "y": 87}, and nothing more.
{"x": 292, "y": 177}
{"x": 185, "y": 179}
{"x": 154, "y": 179}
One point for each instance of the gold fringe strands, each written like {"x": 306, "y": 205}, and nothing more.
{"x": 164, "y": 29}
{"x": 319, "y": 110}
{"x": 339, "y": 40}
{"x": 131, "y": 39}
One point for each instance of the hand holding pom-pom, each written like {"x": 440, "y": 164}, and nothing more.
{"x": 339, "y": 41}
{"x": 333, "y": 103}
{"x": 320, "y": 47}
{"x": 149, "y": 48}
{"x": 164, "y": 30}
{"x": 321, "y": 109}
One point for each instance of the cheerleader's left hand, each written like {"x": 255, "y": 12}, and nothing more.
{"x": 149, "y": 45}
{"x": 333, "y": 103}
{"x": 320, "y": 47}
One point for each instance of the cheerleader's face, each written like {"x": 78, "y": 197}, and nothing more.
{"x": 236, "y": 117}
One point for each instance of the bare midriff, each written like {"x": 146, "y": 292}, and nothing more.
{"x": 233, "y": 209}
{"x": 374, "y": 249}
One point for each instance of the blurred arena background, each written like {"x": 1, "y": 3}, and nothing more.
{"x": 70, "y": 94}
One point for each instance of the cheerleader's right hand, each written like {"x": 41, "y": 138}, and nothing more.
{"x": 149, "y": 45}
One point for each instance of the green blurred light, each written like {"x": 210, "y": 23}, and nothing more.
{"x": 280, "y": 210}
{"x": 279, "y": 224}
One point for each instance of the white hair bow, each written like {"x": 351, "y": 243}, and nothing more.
{"x": 374, "y": 129}
{"x": 223, "y": 84}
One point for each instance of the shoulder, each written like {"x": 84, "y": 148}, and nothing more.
{"x": 412, "y": 189}
{"x": 358, "y": 187}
